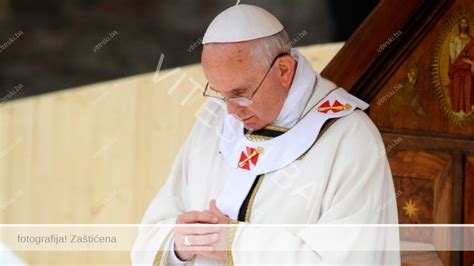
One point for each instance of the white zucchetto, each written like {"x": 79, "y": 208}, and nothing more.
{"x": 241, "y": 23}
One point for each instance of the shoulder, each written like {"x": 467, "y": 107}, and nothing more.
{"x": 357, "y": 131}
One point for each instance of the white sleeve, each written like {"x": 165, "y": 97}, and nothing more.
{"x": 154, "y": 242}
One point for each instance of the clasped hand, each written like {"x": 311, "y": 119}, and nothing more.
{"x": 209, "y": 241}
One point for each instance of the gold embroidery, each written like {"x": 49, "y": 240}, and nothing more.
{"x": 252, "y": 199}
{"x": 159, "y": 255}
{"x": 276, "y": 128}
{"x": 230, "y": 242}
{"x": 233, "y": 230}
{"x": 258, "y": 138}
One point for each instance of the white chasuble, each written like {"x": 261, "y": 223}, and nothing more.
{"x": 248, "y": 159}
{"x": 310, "y": 189}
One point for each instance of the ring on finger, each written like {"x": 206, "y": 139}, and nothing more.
{"x": 186, "y": 241}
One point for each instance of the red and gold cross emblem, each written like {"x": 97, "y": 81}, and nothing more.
{"x": 251, "y": 157}
{"x": 335, "y": 107}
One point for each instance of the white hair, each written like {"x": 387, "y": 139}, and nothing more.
{"x": 265, "y": 49}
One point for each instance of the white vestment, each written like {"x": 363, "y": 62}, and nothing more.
{"x": 344, "y": 178}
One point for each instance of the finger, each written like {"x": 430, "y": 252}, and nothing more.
{"x": 198, "y": 230}
{"x": 195, "y": 216}
{"x": 195, "y": 249}
{"x": 213, "y": 207}
{"x": 210, "y": 205}
{"x": 209, "y": 212}
{"x": 212, "y": 255}
{"x": 203, "y": 240}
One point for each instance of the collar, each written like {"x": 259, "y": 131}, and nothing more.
{"x": 301, "y": 96}
{"x": 300, "y": 90}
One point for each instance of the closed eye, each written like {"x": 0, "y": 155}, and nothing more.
{"x": 238, "y": 92}
{"x": 235, "y": 92}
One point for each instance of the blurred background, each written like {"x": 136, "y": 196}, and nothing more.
{"x": 64, "y": 44}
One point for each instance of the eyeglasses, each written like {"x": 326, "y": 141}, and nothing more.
{"x": 241, "y": 100}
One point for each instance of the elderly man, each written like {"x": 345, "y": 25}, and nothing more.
{"x": 279, "y": 144}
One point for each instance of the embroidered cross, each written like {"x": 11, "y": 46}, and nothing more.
{"x": 251, "y": 157}
{"x": 336, "y": 107}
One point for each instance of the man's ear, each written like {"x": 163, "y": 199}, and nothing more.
{"x": 287, "y": 67}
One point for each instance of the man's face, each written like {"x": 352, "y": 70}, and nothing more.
{"x": 464, "y": 24}
{"x": 230, "y": 70}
